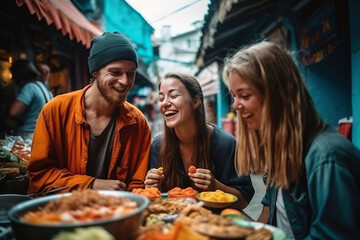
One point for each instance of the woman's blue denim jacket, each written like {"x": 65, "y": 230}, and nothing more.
{"x": 325, "y": 205}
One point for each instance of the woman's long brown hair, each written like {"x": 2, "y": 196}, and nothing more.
{"x": 169, "y": 155}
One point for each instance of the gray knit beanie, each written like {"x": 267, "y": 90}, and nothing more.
{"x": 109, "y": 47}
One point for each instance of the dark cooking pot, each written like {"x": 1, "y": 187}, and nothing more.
{"x": 123, "y": 227}
{"x": 7, "y": 201}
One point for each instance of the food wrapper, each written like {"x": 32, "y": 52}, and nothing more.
{"x": 21, "y": 150}
{"x": 14, "y": 156}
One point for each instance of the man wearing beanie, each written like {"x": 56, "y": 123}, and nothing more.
{"x": 94, "y": 138}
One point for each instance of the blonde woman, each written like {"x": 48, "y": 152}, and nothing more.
{"x": 312, "y": 172}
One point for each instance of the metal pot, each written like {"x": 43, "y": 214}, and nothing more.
{"x": 7, "y": 201}
{"x": 123, "y": 227}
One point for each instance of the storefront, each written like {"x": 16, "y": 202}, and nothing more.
{"x": 50, "y": 32}
{"x": 318, "y": 32}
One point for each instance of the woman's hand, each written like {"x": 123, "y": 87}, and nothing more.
{"x": 153, "y": 178}
{"x": 203, "y": 179}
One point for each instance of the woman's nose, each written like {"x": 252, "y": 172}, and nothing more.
{"x": 165, "y": 102}
{"x": 236, "y": 104}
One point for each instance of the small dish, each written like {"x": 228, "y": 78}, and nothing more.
{"x": 164, "y": 196}
{"x": 215, "y": 204}
{"x": 277, "y": 233}
{"x": 239, "y": 233}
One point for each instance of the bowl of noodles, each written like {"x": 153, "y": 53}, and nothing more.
{"x": 117, "y": 212}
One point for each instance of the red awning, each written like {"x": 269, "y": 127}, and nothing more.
{"x": 65, "y": 16}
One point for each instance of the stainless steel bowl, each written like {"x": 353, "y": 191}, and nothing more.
{"x": 123, "y": 227}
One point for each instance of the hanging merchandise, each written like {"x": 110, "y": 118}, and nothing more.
{"x": 319, "y": 35}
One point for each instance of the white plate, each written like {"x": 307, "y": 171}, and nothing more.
{"x": 278, "y": 234}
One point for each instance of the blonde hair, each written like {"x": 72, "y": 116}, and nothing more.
{"x": 289, "y": 121}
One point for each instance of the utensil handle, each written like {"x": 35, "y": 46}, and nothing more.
{"x": 47, "y": 192}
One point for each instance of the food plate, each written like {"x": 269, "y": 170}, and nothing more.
{"x": 121, "y": 227}
{"x": 221, "y": 236}
{"x": 216, "y": 204}
{"x": 164, "y": 195}
{"x": 277, "y": 233}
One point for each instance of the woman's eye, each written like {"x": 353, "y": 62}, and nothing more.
{"x": 246, "y": 97}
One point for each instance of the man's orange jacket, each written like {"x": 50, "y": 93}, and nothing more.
{"x": 61, "y": 139}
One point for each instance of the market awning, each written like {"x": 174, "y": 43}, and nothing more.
{"x": 65, "y": 16}
{"x": 230, "y": 24}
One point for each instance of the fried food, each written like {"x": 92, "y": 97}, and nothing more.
{"x": 204, "y": 221}
{"x": 179, "y": 192}
{"x": 81, "y": 206}
{"x": 228, "y": 211}
{"x": 151, "y": 193}
{"x": 170, "y": 206}
{"x": 260, "y": 234}
{"x": 160, "y": 170}
{"x": 192, "y": 169}
{"x": 216, "y": 196}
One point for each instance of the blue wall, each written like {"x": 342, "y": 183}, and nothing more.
{"x": 354, "y": 9}
{"x": 329, "y": 83}
{"x": 120, "y": 16}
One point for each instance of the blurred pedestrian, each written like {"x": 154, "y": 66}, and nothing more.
{"x": 33, "y": 95}
{"x": 45, "y": 72}
{"x": 94, "y": 138}
{"x": 312, "y": 172}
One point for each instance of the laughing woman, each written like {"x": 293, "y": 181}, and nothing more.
{"x": 312, "y": 171}
{"x": 188, "y": 140}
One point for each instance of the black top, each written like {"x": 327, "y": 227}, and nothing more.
{"x": 99, "y": 152}
{"x": 222, "y": 146}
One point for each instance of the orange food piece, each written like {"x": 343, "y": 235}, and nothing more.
{"x": 192, "y": 169}
{"x": 178, "y": 192}
{"x": 227, "y": 211}
{"x": 160, "y": 170}
{"x": 179, "y": 231}
{"x": 150, "y": 193}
